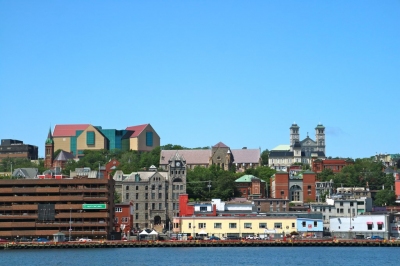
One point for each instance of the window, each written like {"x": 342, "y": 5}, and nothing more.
{"x": 146, "y": 206}
{"x": 127, "y": 188}
{"x": 380, "y": 225}
{"x": 124, "y": 219}
{"x": 278, "y": 225}
{"x": 153, "y": 195}
{"x": 137, "y": 195}
{"x": 137, "y": 187}
{"x": 149, "y": 139}
{"x": 153, "y": 187}
{"x": 341, "y": 203}
{"x": 203, "y": 209}
{"x": 247, "y": 225}
{"x": 159, "y": 187}
{"x": 118, "y": 209}
{"x": 315, "y": 223}
{"x": 293, "y": 225}
{"x": 146, "y": 216}
{"x": 303, "y": 224}
{"x": 217, "y": 225}
{"x": 146, "y": 187}
{"x": 116, "y": 219}
{"x": 136, "y": 216}
{"x": 160, "y": 206}
{"x": 159, "y": 195}
{"x": 90, "y": 138}
{"x": 146, "y": 195}
{"x": 153, "y": 206}
{"x": 190, "y": 225}
{"x": 202, "y": 225}
{"x": 126, "y": 195}
{"x": 262, "y": 225}
{"x": 351, "y": 204}
{"x": 137, "y": 206}
{"x": 232, "y": 225}
{"x": 369, "y": 226}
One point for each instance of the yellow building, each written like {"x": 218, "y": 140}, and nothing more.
{"x": 240, "y": 226}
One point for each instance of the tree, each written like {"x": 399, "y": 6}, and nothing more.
{"x": 264, "y": 157}
{"x": 385, "y": 197}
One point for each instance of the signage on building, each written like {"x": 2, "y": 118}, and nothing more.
{"x": 99, "y": 206}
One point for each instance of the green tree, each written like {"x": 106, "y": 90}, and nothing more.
{"x": 385, "y": 197}
{"x": 264, "y": 157}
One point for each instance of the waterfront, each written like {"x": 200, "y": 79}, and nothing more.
{"x": 205, "y": 256}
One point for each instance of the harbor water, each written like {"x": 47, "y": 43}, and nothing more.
{"x": 205, "y": 256}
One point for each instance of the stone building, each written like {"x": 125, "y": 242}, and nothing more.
{"x": 155, "y": 195}
{"x": 219, "y": 154}
{"x": 299, "y": 151}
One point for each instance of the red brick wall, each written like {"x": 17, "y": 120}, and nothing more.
{"x": 184, "y": 208}
{"x": 309, "y": 181}
{"x": 282, "y": 184}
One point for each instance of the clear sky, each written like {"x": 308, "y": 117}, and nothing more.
{"x": 200, "y": 72}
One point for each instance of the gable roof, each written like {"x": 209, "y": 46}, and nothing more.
{"x": 247, "y": 179}
{"x": 68, "y": 130}
{"x": 26, "y": 172}
{"x": 191, "y": 156}
{"x": 64, "y": 156}
{"x": 220, "y": 145}
{"x": 246, "y": 156}
{"x": 136, "y": 130}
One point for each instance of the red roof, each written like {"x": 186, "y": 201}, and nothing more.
{"x": 136, "y": 130}
{"x": 68, "y": 130}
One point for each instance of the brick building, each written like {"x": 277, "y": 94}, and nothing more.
{"x": 251, "y": 187}
{"x": 336, "y": 165}
{"x": 296, "y": 188}
{"x": 123, "y": 221}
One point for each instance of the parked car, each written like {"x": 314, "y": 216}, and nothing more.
{"x": 375, "y": 237}
{"x": 41, "y": 239}
{"x": 252, "y": 238}
{"x": 85, "y": 240}
{"x": 2, "y": 240}
{"x": 232, "y": 238}
{"x": 214, "y": 238}
{"x": 24, "y": 239}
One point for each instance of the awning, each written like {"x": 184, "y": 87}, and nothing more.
{"x": 379, "y": 222}
{"x": 202, "y": 232}
{"x": 369, "y": 222}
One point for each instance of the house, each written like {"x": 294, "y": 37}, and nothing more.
{"x": 336, "y": 165}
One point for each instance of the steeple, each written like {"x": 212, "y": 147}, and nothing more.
{"x": 49, "y": 151}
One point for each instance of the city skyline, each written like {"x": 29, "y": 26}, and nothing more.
{"x": 204, "y": 72}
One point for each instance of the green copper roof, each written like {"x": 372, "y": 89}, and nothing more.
{"x": 49, "y": 139}
{"x": 247, "y": 178}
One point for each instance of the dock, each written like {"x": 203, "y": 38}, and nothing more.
{"x": 199, "y": 243}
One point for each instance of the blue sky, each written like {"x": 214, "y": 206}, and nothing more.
{"x": 200, "y": 72}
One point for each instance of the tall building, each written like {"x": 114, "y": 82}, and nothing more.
{"x": 298, "y": 151}
{"x": 76, "y": 138}
{"x": 155, "y": 195}
{"x": 33, "y": 208}
{"x": 12, "y": 148}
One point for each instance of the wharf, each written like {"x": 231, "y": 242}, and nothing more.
{"x": 223, "y": 243}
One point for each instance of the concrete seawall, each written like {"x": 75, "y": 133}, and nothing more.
{"x": 171, "y": 244}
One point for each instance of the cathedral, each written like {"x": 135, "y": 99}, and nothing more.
{"x": 298, "y": 151}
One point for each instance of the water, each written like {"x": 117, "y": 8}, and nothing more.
{"x": 205, "y": 256}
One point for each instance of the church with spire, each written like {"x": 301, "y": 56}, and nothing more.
{"x": 51, "y": 162}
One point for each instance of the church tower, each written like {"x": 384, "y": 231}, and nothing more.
{"x": 294, "y": 135}
{"x": 49, "y": 151}
{"x": 176, "y": 183}
{"x": 320, "y": 137}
